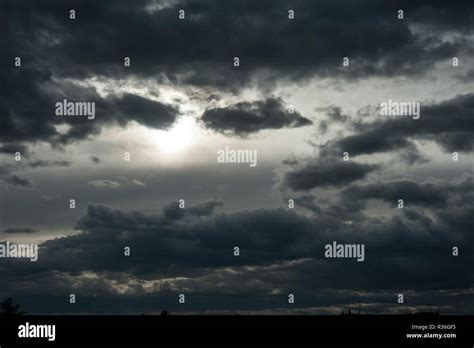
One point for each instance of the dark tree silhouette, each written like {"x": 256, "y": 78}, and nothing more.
{"x": 165, "y": 312}
{"x": 8, "y": 308}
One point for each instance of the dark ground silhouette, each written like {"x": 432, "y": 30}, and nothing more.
{"x": 7, "y": 307}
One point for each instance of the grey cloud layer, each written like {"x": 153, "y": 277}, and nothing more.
{"x": 331, "y": 171}
{"x": 191, "y": 250}
{"x": 29, "y": 111}
{"x": 246, "y": 117}
{"x": 449, "y": 123}
{"x": 260, "y": 33}
{"x": 199, "y": 51}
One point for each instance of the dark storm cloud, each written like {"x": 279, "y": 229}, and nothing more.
{"x": 173, "y": 242}
{"x": 259, "y": 33}
{"x": 28, "y": 107}
{"x": 308, "y": 201}
{"x": 245, "y": 118}
{"x": 424, "y": 194}
{"x": 12, "y": 148}
{"x": 190, "y": 239}
{"x": 144, "y": 111}
{"x": 205, "y": 238}
{"x": 192, "y": 252}
{"x": 19, "y": 230}
{"x": 325, "y": 172}
{"x": 367, "y": 142}
{"x": 320, "y": 302}
{"x": 114, "y": 110}
{"x": 173, "y": 210}
{"x": 449, "y": 123}
{"x": 26, "y": 114}
{"x": 200, "y": 50}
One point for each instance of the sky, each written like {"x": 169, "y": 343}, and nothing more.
{"x": 305, "y": 96}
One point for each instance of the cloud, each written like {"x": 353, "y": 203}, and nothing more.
{"x": 104, "y": 183}
{"x": 130, "y": 182}
{"x": 45, "y": 163}
{"x": 272, "y": 49}
{"x": 334, "y": 114}
{"x": 425, "y": 194}
{"x": 245, "y": 118}
{"x": 325, "y": 172}
{"x": 14, "y": 180}
{"x": 262, "y": 36}
{"x": 448, "y": 123}
{"x": 188, "y": 240}
{"x": 192, "y": 252}
{"x": 144, "y": 111}
{"x": 12, "y": 148}
{"x": 19, "y": 230}
{"x": 172, "y": 210}
{"x": 94, "y": 159}
{"x": 137, "y": 183}
{"x": 28, "y": 110}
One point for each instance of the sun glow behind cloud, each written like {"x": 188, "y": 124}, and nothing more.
{"x": 181, "y": 136}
